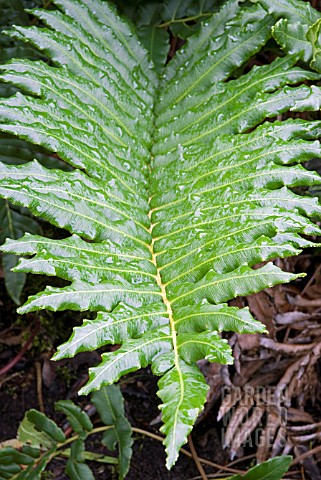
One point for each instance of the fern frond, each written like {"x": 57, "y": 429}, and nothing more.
{"x": 180, "y": 187}
{"x": 293, "y": 29}
{"x": 40, "y": 439}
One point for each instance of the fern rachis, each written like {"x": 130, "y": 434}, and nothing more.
{"x": 180, "y": 187}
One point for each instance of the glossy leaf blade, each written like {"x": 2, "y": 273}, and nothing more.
{"x": 79, "y": 420}
{"x": 181, "y": 186}
{"x": 76, "y": 468}
{"x": 183, "y": 392}
{"x": 134, "y": 354}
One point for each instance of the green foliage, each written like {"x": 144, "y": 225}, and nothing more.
{"x": 12, "y": 13}
{"x": 15, "y": 221}
{"x": 297, "y": 28}
{"x": 313, "y": 35}
{"x": 13, "y": 224}
{"x": 40, "y": 440}
{"x": 120, "y": 434}
{"x": 180, "y": 188}
{"x": 272, "y": 469}
{"x": 157, "y": 21}
{"x": 13, "y": 151}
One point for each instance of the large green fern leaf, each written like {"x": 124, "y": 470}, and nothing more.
{"x": 179, "y": 188}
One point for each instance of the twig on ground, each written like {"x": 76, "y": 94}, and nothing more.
{"x": 305, "y": 455}
{"x": 18, "y": 357}
{"x": 195, "y": 458}
{"x": 315, "y": 273}
{"x": 187, "y": 453}
{"x": 10, "y": 377}
{"x": 154, "y": 436}
{"x": 39, "y": 387}
{"x": 241, "y": 459}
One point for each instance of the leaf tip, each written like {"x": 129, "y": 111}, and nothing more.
{"x": 22, "y": 310}
{"x": 84, "y": 391}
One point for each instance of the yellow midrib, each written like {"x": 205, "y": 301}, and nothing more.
{"x": 165, "y": 299}
{"x": 161, "y": 285}
{"x": 169, "y": 310}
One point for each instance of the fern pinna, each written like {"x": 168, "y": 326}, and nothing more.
{"x": 180, "y": 186}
